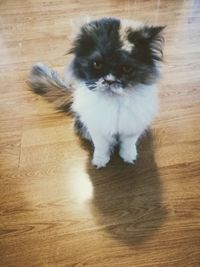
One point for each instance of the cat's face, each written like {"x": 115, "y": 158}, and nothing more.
{"x": 113, "y": 55}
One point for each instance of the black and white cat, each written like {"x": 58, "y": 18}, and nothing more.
{"x": 110, "y": 84}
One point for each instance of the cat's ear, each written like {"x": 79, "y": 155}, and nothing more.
{"x": 151, "y": 33}
{"x": 150, "y": 37}
{"x": 81, "y": 38}
{"x": 146, "y": 33}
{"x": 76, "y": 25}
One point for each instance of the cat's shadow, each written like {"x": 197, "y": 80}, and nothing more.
{"x": 127, "y": 199}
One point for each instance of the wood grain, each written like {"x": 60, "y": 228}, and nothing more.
{"x": 56, "y": 210}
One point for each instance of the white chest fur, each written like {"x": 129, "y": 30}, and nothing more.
{"x": 126, "y": 114}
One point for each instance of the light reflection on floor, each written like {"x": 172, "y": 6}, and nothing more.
{"x": 81, "y": 188}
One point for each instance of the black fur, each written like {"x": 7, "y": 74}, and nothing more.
{"x": 80, "y": 128}
{"x": 100, "y": 41}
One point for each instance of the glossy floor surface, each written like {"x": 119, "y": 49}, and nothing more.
{"x": 55, "y": 208}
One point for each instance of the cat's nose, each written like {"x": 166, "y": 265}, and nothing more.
{"x": 109, "y": 79}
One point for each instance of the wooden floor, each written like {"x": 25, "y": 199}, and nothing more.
{"x": 56, "y": 210}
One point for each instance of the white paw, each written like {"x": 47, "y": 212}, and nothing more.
{"x": 99, "y": 161}
{"x": 128, "y": 155}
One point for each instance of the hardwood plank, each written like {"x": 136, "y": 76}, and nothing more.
{"x": 56, "y": 210}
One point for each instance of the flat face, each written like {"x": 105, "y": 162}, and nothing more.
{"x": 127, "y": 51}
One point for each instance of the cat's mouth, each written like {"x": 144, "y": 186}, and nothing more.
{"x": 114, "y": 88}
{"x": 107, "y": 84}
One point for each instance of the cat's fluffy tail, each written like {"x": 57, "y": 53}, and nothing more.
{"x": 47, "y": 82}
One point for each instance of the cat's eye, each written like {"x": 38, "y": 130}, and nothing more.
{"x": 97, "y": 65}
{"x": 126, "y": 69}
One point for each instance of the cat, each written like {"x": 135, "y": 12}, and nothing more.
{"x": 109, "y": 85}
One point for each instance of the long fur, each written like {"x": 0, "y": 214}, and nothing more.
{"x": 47, "y": 82}
{"x": 110, "y": 104}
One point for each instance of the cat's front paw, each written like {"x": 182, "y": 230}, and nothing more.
{"x": 100, "y": 161}
{"x": 129, "y": 155}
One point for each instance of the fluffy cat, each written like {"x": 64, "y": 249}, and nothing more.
{"x": 109, "y": 85}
